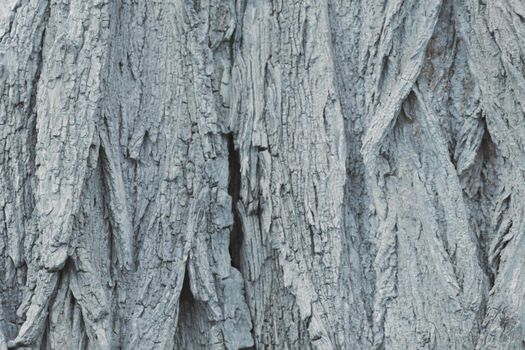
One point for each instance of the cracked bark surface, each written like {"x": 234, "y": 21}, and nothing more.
{"x": 245, "y": 174}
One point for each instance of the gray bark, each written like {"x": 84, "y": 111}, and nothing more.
{"x": 262, "y": 174}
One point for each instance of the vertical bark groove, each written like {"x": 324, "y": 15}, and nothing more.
{"x": 234, "y": 188}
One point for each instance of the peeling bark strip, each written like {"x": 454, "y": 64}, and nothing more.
{"x": 245, "y": 174}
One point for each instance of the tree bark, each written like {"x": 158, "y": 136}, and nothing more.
{"x": 262, "y": 174}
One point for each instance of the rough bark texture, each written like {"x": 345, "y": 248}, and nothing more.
{"x": 262, "y": 174}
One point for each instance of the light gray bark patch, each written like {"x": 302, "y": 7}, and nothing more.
{"x": 262, "y": 174}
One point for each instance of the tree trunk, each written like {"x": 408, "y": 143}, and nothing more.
{"x": 262, "y": 174}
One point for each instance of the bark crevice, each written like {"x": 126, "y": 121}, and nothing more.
{"x": 234, "y": 188}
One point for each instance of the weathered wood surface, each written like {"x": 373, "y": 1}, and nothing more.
{"x": 263, "y": 174}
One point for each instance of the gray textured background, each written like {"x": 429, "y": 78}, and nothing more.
{"x": 262, "y": 174}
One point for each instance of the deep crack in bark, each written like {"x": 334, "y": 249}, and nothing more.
{"x": 234, "y": 187}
